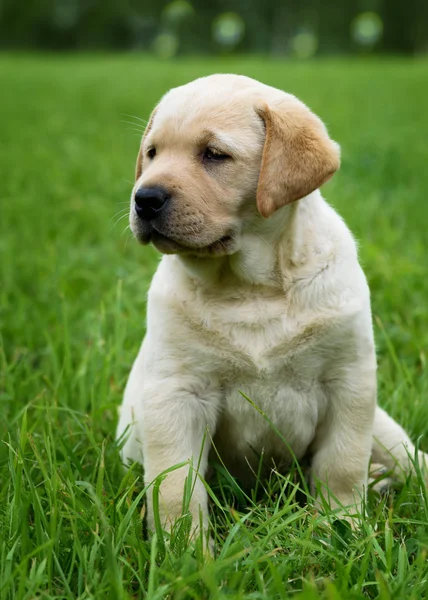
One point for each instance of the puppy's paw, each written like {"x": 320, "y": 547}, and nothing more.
{"x": 379, "y": 481}
{"x": 349, "y": 517}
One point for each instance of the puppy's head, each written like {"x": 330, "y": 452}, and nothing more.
{"x": 216, "y": 153}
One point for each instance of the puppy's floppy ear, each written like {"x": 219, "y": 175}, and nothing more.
{"x": 298, "y": 155}
{"x": 139, "y": 164}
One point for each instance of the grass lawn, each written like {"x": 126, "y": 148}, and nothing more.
{"x": 72, "y": 311}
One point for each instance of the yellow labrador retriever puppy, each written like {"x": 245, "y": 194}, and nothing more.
{"x": 259, "y": 291}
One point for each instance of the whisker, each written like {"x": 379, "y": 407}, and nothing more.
{"x": 135, "y": 131}
{"x": 122, "y": 210}
{"x": 126, "y": 229}
{"x": 127, "y": 241}
{"x": 138, "y": 127}
{"x": 194, "y": 230}
{"x": 134, "y": 117}
{"x": 119, "y": 219}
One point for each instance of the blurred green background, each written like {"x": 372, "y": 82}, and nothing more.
{"x": 300, "y": 28}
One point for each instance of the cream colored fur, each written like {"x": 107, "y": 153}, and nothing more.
{"x": 279, "y": 311}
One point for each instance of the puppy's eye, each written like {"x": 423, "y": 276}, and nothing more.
{"x": 151, "y": 153}
{"x": 212, "y": 155}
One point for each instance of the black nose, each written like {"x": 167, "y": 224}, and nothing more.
{"x": 150, "y": 202}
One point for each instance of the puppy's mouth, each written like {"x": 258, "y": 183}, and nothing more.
{"x": 220, "y": 247}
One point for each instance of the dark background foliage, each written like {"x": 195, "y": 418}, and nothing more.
{"x": 288, "y": 27}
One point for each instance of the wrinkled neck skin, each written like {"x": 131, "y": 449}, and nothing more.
{"x": 273, "y": 252}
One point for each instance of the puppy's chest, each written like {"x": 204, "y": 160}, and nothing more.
{"x": 254, "y": 335}
{"x": 270, "y": 362}
{"x": 267, "y": 353}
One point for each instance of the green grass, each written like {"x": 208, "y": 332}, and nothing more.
{"x": 72, "y": 311}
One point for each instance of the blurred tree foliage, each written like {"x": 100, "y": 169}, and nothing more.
{"x": 278, "y": 27}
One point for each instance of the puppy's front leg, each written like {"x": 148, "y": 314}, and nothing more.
{"x": 175, "y": 419}
{"x": 343, "y": 443}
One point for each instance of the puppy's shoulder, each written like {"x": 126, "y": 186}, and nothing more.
{"x": 325, "y": 274}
